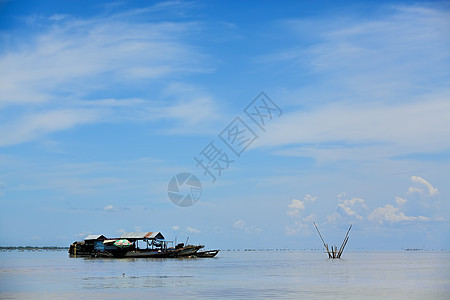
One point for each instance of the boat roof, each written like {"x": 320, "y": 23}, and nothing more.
{"x": 95, "y": 237}
{"x": 109, "y": 241}
{"x": 142, "y": 235}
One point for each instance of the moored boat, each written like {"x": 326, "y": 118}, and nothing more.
{"x": 208, "y": 253}
{"x": 187, "y": 250}
{"x": 127, "y": 246}
{"x": 149, "y": 253}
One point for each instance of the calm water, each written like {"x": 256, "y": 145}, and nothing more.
{"x": 235, "y": 275}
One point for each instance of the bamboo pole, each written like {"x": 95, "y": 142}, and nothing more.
{"x": 344, "y": 242}
{"x": 325, "y": 245}
{"x": 328, "y": 251}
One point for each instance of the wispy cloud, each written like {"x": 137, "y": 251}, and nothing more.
{"x": 83, "y": 234}
{"x": 432, "y": 191}
{"x": 187, "y": 105}
{"x": 239, "y": 224}
{"x": 298, "y": 205}
{"x": 112, "y": 208}
{"x": 78, "y": 56}
{"x": 300, "y": 223}
{"x": 389, "y": 213}
{"x": 348, "y": 206}
{"x": 378, "y": 58}
{"x": 32, "y": 126}
{"x": 400, "y": 201}
{"x": 348, "y": 210}
{"x": 338, "y": 131}
{"x": 242, "y": 226}
{"x": 374, "y": 96}
{"x": 50, "y": 79}
{"x": 192, "y": 230}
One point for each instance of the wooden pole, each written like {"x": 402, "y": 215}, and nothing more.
{"x": 343, "y": 246}
{"x": 325, "y": 245}
{"x": 344, "y": 242}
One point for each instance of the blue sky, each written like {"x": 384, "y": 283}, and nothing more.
{"x": 102, "y": 103}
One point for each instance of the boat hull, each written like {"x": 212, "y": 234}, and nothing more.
{"x": 150, "y": 253}
{"x": 209, "y": 253}
{"x": 188, "y": 250}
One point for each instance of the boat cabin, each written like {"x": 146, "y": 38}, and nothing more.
{"x": 96, "y": 240}
{"x": 153, "y": 240}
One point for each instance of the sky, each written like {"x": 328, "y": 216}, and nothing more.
{"x": 333, "y": 112}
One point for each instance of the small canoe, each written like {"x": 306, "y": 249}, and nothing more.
{"x": 189, "y": 250}
{"x": 209, "y": 253}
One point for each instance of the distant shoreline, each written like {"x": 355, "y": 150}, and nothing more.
{"x": 32, "y": 248}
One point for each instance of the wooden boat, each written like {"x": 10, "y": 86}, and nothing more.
{"x": 209, "y": 253}
{"x": 187, "y": 250}
{"x": 127, "y": 245}
{"x": 151, "y": 253}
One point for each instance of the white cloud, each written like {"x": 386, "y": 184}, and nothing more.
{"x": 339, "y": 131}
{"x": 112, "y": 208}
{"x": 412, "y": 190}
{"x": 191, "y": 112}
{"x": 242, "y": 225}
{"x": 333, "y": 218}
{"x": 400, "y": 201}
{"x": 35, "y": 125}
{"x": 389, "y": 213}
{"x": 432, "y": 191}
{"x": 297, "y": 205}
{"x": 83, "y": 234}
{"x": 239, "y": 224}
{"x": 350, "y": 206}
{"x": 192, "y": 230}
{"x": 48, "y": 81}
{"x": 188, "y": 105}
{"x": 373, "y": 68}
{"x": 108, "y": 208}
{"x": 175, "y": 228}
{"x": 296, "y": 228}
{"x": 301, "y": 225}
{"x": 310, "y": 198}
{"x": 374, "y": 57}
{"x": 73, "y": 54}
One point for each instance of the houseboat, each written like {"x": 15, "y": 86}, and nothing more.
{"x": 133, "y": 245}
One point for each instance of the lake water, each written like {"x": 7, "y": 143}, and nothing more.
{"x": 231, "y": 275}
